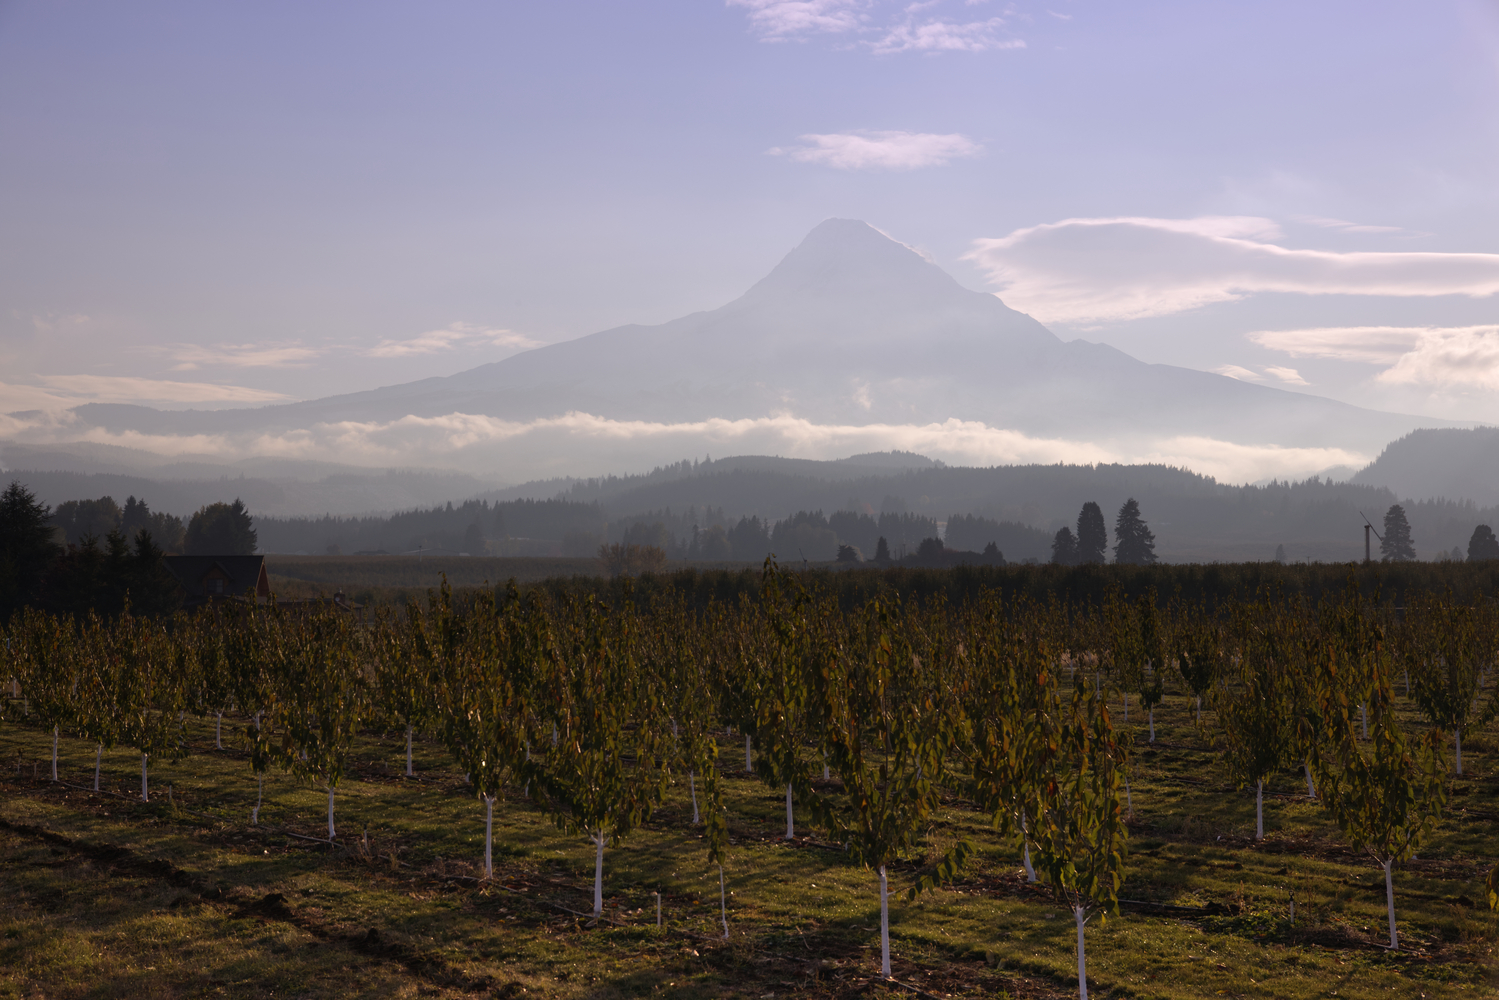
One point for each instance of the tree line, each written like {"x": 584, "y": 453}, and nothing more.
{"x": 871, "y": 719}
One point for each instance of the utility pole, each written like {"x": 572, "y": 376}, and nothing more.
{"x": 1367, "y": 528}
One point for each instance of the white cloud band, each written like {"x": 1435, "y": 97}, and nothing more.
{"x": 880, "y": 150}
{"x": 1083, "y": 270}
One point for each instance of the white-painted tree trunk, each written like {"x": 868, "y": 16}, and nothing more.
{"x": 331, "y": 831}
{"x": 409, "y": 772}
{"x": 749, "y": 764}
{"x": 1457, "y": 734}
{"x": 54, "y": 753}
{"x": 1363, "y": 719}
{"x": 1389, "y": 898}
{"x": 790, "y": 826}
{"x": 1150, "y": 713}
{"x": 598, "y": 877}
{"x": 1259, "y": 809}
{"x": 145, "y": 791}
{"x": 884, "y": 925}
{"x": 1311, "y": 788}
{"x": 554, "y": 736}
{"x": 1199, "y": 708}
{"x": 1407, "y": 671}
{"x": 825, "y": 775}
{"x": 259, "y": 798}
{"x": 1025, "y": 852}
{"x": 1082, "y": 961}
{"x": 488, "y": 834}
{"x": 692, "y": 787}
{"x": 218, "y": 732}
{"x": 1129, "y": 799}
{"x": 723, "y": 904}
{"x": 98, "y": 764}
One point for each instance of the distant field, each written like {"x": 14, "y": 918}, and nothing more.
{"x": 396, "y": 579}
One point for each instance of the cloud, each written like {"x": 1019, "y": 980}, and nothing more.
{"x": 1290, "y": 376}
{"x": 783, "y": 20}
{"x": 880, "y": 150}
{"x": 1343, "y": 225}
{"x": 1240, "y": 373}
{"x": 1088, "y": 270}
{"x": 563, "y": 443}
{"x": 1453, "y": 357}
{"x": 796, "y": 20}
{"x": 1375, "y": 345}
{"x": 944, "y": 36}
{"x": 127, "y": 389}
{"x": 273, "y": 355}
{"x": 454, "y": 336}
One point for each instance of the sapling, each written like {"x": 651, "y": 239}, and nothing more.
{"x": 1387, "y": 799}
{"x": 1254, "y": 704}
{"x": 1442, "y": 641}
{"x": 1080, "y": 832}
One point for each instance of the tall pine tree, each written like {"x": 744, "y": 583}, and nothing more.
{"x": 26, "y": 547}
{"x": 1136, "y": 543}
{"x": 1396, "y": 546}
{"x": 1092, "y": 536}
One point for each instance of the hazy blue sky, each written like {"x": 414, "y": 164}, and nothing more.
{"x": 270, "y": 200}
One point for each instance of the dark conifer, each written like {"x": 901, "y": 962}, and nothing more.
{"x": 1483, "y": 544}
{"x": 1092, "y": 536}
{"x": 882, "y": 551}
{"x": 221, "y": 529}
{"x": 26, "y": 547}
{"x": 1396, "y": 546}
{"x": 1064, "y": 548}
{"x": 1136, "y": 545}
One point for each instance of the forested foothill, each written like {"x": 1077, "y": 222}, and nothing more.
{"x": 1129, "y": 780}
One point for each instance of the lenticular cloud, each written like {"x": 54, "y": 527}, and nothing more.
{"x": 1084, "y": 270}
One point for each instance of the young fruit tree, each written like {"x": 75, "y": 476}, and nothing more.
{"x": 1386, "y": 797}
{"x": 1443, "y": 653}
{"x": 891, "y": 721}
{"x": 149, "y": 692}
{"x": 1253, "y": 702}
{"x": 609, "y": 768}
{"x": 1080, "y": 832}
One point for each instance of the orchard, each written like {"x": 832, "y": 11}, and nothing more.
{"x": 544, "y": 794}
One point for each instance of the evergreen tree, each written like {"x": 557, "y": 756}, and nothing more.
{"x": 1396, "y": 546}
{"x": 882, "y": 551}
{"x": 26, "y": 547}
{"x": 1092, "y": 536}
{"x": 1280, "y": 554}
{"x": 221, "y": 529}
{"x": 1064, "y": 548}
{"x": 1483, "y": 544}
{"x": 1136, "y": 545}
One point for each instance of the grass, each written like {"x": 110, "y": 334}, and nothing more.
{"x": 111, "y": 897}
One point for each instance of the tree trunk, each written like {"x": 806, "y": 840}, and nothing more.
{"x": 1389, "y": 898}
{"x": 259, "y": 798}
{"x": 749, "y": 764}
{"x": 1259, "y": 809}
{"x": 1082, "y": 962}
{"x": 331, "y": 831}
{"x": 1363, "y": 719}
{"x": 98, "y": 763}
{"x": 825, "y": 775}
{"x": 598, "y": 877}
{"x": 1150, "y": 713}
{"x": 145, "y": 791}
{"x": 218, "y": 732}
{"x": 692, "y": 787}
{"x": 1457, "y": 733}
{"x": 488, "y": 834}
{"x": 1025, "y": 845}
{"x": 790, "y": 827}
{"x": 1126, "y": 708}
{"x": 1311, "y": 789}
{"x": 409, "y": 772}
{"x": 723, "y": 904}
{"x": 1129, "y": 799}
{"x": 1407, "y": 671}
{"x": 1199, "y": 709}
{"x": 884, "y": 925}
{"x": 54, "y": 753}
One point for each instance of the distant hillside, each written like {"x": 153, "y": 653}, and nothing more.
{"x": 1452, "y": 463}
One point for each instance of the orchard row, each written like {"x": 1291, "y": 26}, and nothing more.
{"x": 869, "y": 719}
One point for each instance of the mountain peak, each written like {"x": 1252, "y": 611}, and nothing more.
{"x": 847, "y": 257}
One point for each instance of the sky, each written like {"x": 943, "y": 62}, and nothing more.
{"x": 210, "y": 204}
